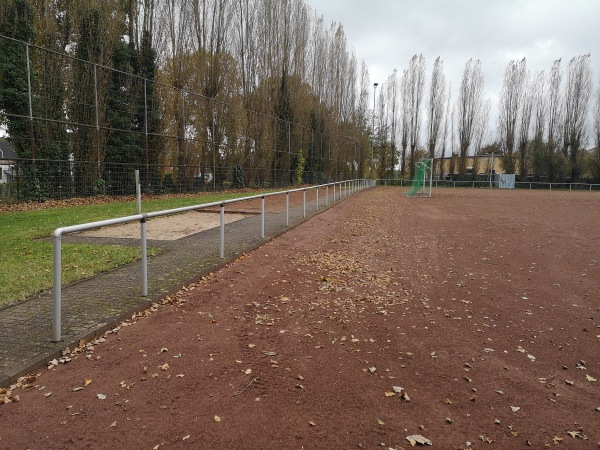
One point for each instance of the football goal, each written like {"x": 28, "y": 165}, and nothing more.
{"x": 423, "y": 179}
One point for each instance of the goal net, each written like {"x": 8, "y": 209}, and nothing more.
{"x": 422, "y": 181}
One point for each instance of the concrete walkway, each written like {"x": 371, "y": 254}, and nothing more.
{"x": 93, "y": 305}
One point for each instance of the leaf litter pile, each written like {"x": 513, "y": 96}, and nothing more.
{"x": 468, "y": 320}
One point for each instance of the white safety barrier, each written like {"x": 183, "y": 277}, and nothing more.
{"x": 345, "y": 188}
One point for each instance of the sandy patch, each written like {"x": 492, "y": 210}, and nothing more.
{"x": 167, "y": 228}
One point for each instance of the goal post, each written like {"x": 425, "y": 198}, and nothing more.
{"x": 423, "y": 179}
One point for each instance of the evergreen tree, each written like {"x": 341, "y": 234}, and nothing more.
{"x": 123, "y": 152}
{"x": 149, "y": 112}
{"x": 82, "y": 111}
{"x": 16, "y": 21}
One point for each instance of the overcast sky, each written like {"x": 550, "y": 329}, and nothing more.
{"x": 387, "y": 33}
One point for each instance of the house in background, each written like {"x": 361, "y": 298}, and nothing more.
{"x": 7, "y": 159}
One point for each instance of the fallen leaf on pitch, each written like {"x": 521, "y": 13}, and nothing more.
{"x": 415, "y": 439}
{"x": 515, "y": 408}
{"x": 577, "y": 434}
{"x": 101, "y": 396}
{"x": 87, "y": 382}
{"x": 589, "y": 378}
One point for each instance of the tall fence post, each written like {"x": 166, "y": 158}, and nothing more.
{"x": 143, "y": 234}
{"x": 262, "y": 217}
{"x": 222, "y": 232}
{"x": 57, "y": 288}
{"x": 304, "y": 203}
{"x": 143, "y": 231}
{"x": 287, "y": 209}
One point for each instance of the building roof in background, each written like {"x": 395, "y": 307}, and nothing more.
{"x": 6, "y": 150}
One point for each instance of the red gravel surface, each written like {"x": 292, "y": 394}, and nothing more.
{"x": 468, "y": 320}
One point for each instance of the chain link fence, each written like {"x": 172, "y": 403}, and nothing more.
{"x": 79, "y": 128}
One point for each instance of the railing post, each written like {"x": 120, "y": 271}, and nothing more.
{"x": 317, "y": 199}
{"x": 222, "y": 233}
{"x": 334, "y": 193}
{"x": 287, "y": 209}
{"x": 304, "y": 203}
{"x": 326, "y": 196}
{"x": 143, "y": 229}
{"x": 57, "y": 287}
{"x": 262, "y": 217}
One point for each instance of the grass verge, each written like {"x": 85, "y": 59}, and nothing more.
{"x": 27, "y": 259}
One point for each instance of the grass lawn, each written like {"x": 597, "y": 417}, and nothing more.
{"x": 27, "y": 260}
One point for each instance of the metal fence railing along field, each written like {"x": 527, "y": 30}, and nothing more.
{"x": 323, "y": 196}
{"x": 529, "y": 185}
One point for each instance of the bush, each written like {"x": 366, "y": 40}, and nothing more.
{"x": 100, "y": 187}
{"x": 168, "y": 184}
{"x": 239, "y": 177}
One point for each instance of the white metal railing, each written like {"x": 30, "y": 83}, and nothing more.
{"x": 518, "y": 184}
{"x": 344, "y": 189}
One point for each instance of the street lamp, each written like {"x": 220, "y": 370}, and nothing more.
{"x": 373, "y": 123}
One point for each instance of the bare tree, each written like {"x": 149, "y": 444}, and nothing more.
{"x": 482, "y": 126}
{"x": 469, "y": 109}
{"x": 525, "y": 116}
{"x": 436, "y": 106}
{"x": 539, "y": 100}
{"x": 447, "y": 118}
{"x": 510, "y": 108}
{"x": 175, "y": 45}
{"x": 391, "y": 86}
{"x": 362, "y": 113}
{"x": 554, "y": 115}
{"x": 578, "y": 92}
{"x": 381, "y": 129}
{"x": 405, "y": 120}
{"x": 596, "y": 154}
{"x": 416, "y": 83}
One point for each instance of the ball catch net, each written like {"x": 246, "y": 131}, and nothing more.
{"x": 422, "y": 181}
